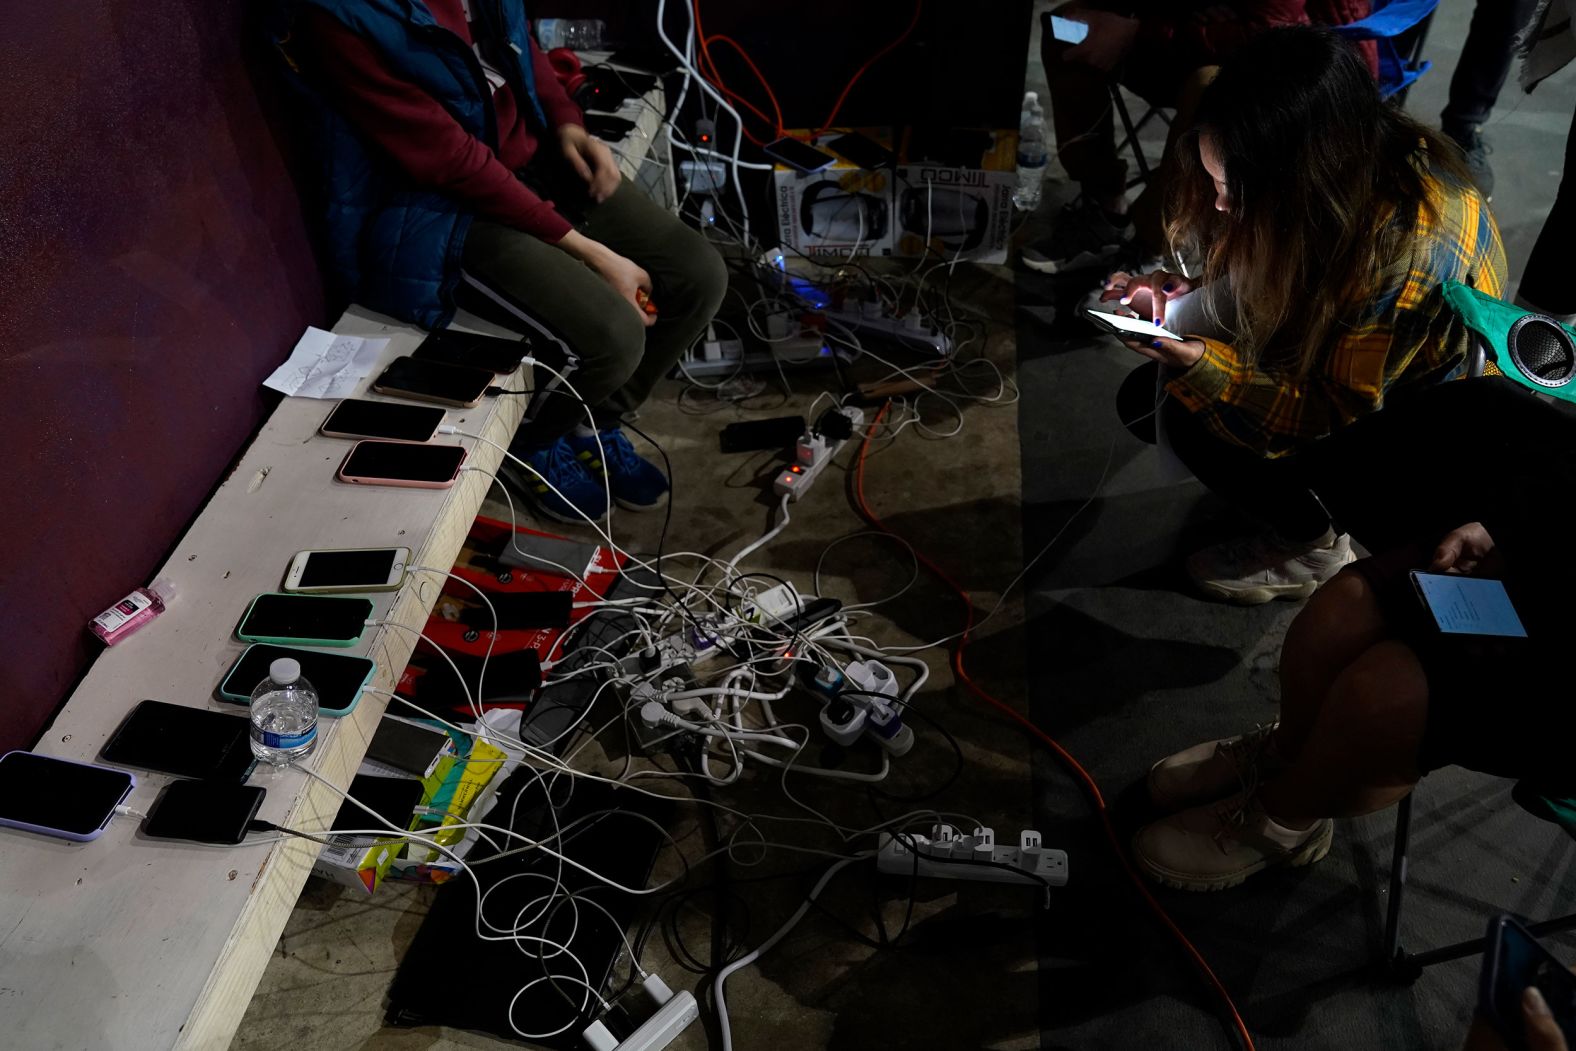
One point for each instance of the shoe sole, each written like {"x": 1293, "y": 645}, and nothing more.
{"x": 1310, "y": 853}
{"x": 1081, "y": 261}
{"x": 1262, "y": 593}
{"x": 631, "y": 506}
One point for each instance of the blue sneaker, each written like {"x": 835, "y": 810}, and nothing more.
{"x": 636, "y": 483}
{"x": 580, "y": 495}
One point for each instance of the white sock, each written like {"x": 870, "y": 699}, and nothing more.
{"x": 582, "y": 431}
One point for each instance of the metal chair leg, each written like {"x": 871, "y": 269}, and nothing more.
{"x": 1394, "y": 954}
{"x": 1132, "y": 132}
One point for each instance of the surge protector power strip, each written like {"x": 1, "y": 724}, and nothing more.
{"x": 911, "y": 328}
{"x": 950, "y": 856}
{"x": 672, "y": 1017}
{"x": 811, "y": 456}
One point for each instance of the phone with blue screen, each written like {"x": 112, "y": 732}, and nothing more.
{"x": 1513, "y": 961}
{"x": 1463, "y": 605}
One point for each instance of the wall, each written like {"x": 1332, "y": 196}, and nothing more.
{"x": 153, "y": 269}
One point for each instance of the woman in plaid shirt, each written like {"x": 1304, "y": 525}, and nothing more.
{"x": 1327, "y": 222}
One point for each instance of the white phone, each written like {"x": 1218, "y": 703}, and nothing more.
{"x": 347, "y": 569}
{"x": 1068, "y": 30}
{"x": 1122, "y": 326}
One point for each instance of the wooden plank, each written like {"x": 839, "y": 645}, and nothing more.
{"x": 128, "y": 942}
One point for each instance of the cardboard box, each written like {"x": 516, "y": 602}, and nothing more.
{"x": 952, "y": 189}
{"x": 960, "y": 213}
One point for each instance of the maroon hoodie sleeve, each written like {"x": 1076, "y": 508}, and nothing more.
{"x": 1203, "y": 39}
{"x": 556, "y": 103}
{"x": 419, "y": 134}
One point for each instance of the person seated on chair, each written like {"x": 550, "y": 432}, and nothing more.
{"x": 1166, "y": 55}
{"x": 1326, "y": 223}
{"x": 455, "y": 167}
{"x": 1373, "y": 694}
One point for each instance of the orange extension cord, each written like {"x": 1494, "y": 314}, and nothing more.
{"x": 708, "y": 69}
{"x": 1090, "y": 787}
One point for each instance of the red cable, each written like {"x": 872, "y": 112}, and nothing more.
{"x": 708, "y": 70}
{"x": 1090, "y": 787}
{"x": 777, "y": 120}
{"x": 919, "y": 6}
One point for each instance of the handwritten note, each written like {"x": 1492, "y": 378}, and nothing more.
{"x": 325, "y": 365}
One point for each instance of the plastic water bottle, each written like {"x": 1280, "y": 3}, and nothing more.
{"x": 577, "y": 34}
{"x": 284, "y": 714}
{"x": 1032, "y": 155}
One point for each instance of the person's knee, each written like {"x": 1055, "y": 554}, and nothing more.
{"x": 609, "y": 347}
{"x": 708, "y": 281}
{"x": 1386, "y": 687}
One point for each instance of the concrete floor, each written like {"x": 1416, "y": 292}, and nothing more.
{"x": 1112, "y": 656}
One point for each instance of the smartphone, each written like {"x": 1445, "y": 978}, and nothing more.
{"x": 800, "y": 156}
{"x": 1513, "y": 961}
{"x": 863, "y": 151}
{"x": 307, "y": 620}
{"x": 395, "y": 800}
{"x": 1124, "y": 327}
{"x": 1068, "y": 30}
{"x": 1468, "y": 605}
{"x": 182, "y": 740}
{"x": 520, "y": 609}
{"x": 496, "y": 354}
{"x": 359, "y": 418}
{"x": 338, "y": 678}
{"x": 779, "y": 433}
{"x": 204, "y": 812}
{"x": 461, "y": 386}
{"x": 547, "y": 554}
{"x": 60, "y": 797}
{"x": 405, "y": 746}
{"x": 348, "y": 569}
{"x": 375, "y": 462}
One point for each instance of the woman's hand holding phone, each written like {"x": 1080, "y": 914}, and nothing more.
{"x": 1540, "y": 1031}
{"x": 1145, "y": 296}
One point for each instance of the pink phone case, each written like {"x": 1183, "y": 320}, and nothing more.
{"x": 403, "y": 483}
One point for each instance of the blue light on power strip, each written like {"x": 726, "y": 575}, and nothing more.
{"x": 811, "y": 293}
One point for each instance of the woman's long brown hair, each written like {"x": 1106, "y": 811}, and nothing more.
{"x": 1325, "y": 182}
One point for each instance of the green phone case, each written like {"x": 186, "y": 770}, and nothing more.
{"x": 226, "y": 692}
{"x": 292, "y": 640}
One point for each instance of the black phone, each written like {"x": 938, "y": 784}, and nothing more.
{"x": 461, "y": 386}
{"x": 308, "y": 620}
{"x": 395, "y": 800}
{"x": 1513, "y": 961}
{"x": 778, "y": 433}
{"x": 800, "y": 156}
{"x": 496, "y": 354}
{"x": 607, "y": 127}
{"x": 360, "y": 418}
{"x": 400, "y": 463}
{"x": 184, "y": 741}
{"x": 521, "y": 609}
{"x": 59, "y": 797}
{"x": 863, "y": 151}
{"x": 338, "y": 678}
{"x": 204, "y": 812}
{"x": 405, "y": 746}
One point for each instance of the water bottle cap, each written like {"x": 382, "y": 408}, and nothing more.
{"x": 1031, "y": 96}
{"x": 285, "y": 670}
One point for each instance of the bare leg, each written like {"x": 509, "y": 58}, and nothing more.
{"x": 1361, "y": 755}
{"x": 1340, "y": 623}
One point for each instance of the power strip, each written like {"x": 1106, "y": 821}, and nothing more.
{"x": 811, "y": 456}
{"x": 911, "y": 328}
{"x": 950, "y": 856}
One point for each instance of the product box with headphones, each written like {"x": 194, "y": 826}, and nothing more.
{"x": 952, "y": 213}
{"x": 841, "y": 210}
{"x": 838, "y": 211}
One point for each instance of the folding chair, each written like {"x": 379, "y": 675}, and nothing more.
{"x": 1398, "y": 28}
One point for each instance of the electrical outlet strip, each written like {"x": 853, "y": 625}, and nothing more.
{"x": 675, "y": 1015}
{"x": 955, "y": 858}
{"x": 911, "y": 328}
{"x": 794, "y": 480}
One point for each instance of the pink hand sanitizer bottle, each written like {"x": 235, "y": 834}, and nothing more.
{"x": 133, "y": 611}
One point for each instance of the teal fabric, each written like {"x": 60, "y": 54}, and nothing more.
{"x": 1492, "y": 318}
{"x": 390, "y": 246}
{"x": 1547, "y": 806}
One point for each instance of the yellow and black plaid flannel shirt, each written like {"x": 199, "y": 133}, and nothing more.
{"x": 1403, "y": 335}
